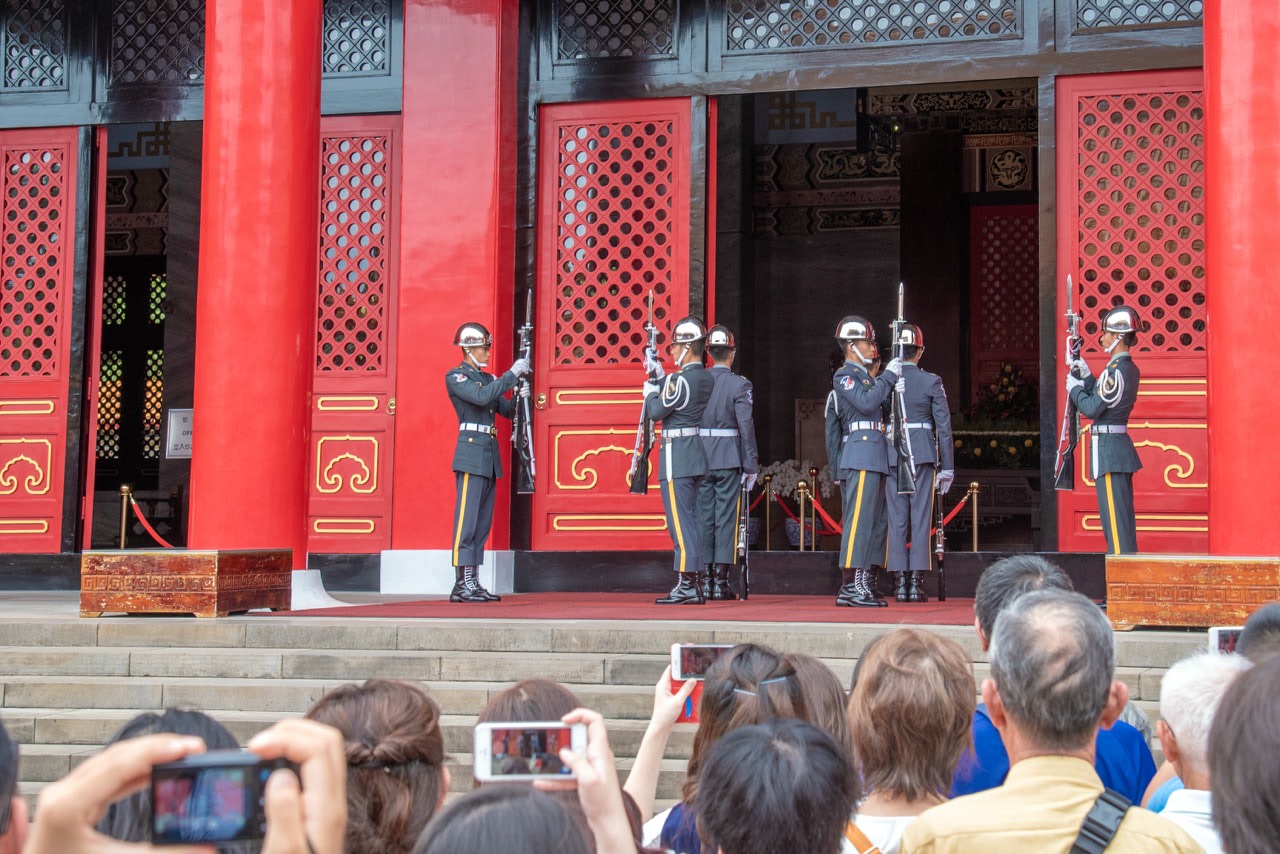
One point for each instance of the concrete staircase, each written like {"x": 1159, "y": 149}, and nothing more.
{"x": 69, "y": 683}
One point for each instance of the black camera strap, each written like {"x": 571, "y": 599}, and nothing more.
{"x": 1102, "y": 822}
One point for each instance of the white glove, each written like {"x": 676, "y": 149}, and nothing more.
{"x": 653, "y": 364}
{"x": 520, "y": 367}
{"x": 525, "y": 391}
{"x": 945, "y": 479}
{"x": 749, "y": 480}
{"x": 1081, "y": 367}
{"x": 900, "y": 386}
{"x": 1073, "y": 383}
{"x": 895, "y": 365}
{"x": 650, "y": 387}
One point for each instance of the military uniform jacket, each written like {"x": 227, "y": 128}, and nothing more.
{"x": 475, "y": 396}
{"x": 925, "y": 402}
{"x": 1108, "y": 399}
{"x": 729, "y": 409}
{"x": 859, "y": 400}
{"x": 679, "y": 404}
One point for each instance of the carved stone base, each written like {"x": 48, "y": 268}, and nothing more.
{"x": 178, "y": 581}
{"x": 1188, "y": 590}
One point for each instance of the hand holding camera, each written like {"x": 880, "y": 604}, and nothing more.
{"x": 317, "y": 819}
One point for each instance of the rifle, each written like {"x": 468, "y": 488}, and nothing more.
{"x": 743, "y": 553}
{"x": 522, "y": 426}
{"x": 901, "y": 439}
{"x": 940, "y": 544}
{"x": 639, "y": 474}
{"x": 1064, "y": 468}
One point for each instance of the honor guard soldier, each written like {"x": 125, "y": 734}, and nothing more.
{"x": 1108, "y": 399}
{"x": 860, "y": 462}
{"x": 928, "y": 425}
{"x": 678, "y": 400}
{"x": 476, "y": 395}
{"x": 729, "y": 442}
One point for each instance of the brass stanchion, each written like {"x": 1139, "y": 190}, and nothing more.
{"x": 973, "y": 496}
{"x": 768, "y": 521}
{"x": 813, "y": 506}
{"x": 802, "y": 490}
{"x": 125, "y": 492}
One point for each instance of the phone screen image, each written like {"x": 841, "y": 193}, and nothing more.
{"x": 695, "y": 661}
{"x": 1227, "y": 637}
{"x": 528, "y": 751}
{"x": 207, "y": 805}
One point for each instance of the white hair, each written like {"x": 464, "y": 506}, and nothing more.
{"x": 1189, "y": 696}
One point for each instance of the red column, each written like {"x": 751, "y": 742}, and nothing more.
{"x": 457, "y": 243}
{"x": 1242, "y": 98}
{"x": 254, "y": 311}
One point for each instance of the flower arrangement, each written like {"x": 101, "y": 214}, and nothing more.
{"x": 985, "y": 449}
{"x": 788, "y": 473}
{"x": 1002, "y": 428}
{"x": 1011, "y": 398}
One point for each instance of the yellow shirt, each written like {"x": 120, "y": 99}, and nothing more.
{"x": 1039, "y": 809}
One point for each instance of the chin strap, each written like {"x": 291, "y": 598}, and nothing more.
{"x": 1113, "y": 345}
{"x": 684, "y": 351}
{"x": 473, "y": 360}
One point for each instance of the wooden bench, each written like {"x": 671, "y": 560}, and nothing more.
{"x": 180, "y": 581}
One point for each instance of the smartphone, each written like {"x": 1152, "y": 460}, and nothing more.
{"x": 692, "y": 661}
{"x": 520, "y": 750}
{"x": 1224, "y": 638}
{"x": 211, "y": 797}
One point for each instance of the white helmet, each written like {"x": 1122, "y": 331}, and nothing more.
{"x": 855, "y": 328}
{"x": 720, "y": 336}
{"x": 909, "y": 335}
{"x": 1121, "y": 320}
{"x": 687, "y": 330}
{"x": 472, "y": 335}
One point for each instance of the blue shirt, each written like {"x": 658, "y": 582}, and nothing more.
{"x": 680, "y": 831}
{"x": 1121, "y": 757}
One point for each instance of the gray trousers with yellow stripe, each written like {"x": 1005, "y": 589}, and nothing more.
{"x": 862, "y": 544}
{"x": 910, "y": 520}
{"x": 472, "y": 518}
{"x": 718, "y": 500}
{"x": 1115, "y": 506}
{"x": 680, "y": 502}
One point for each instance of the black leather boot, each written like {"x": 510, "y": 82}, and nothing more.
{"x": 685, "y": 592}
{"x": 861, "y": 597}
{"x": 465, "y": 586}
{"x": 847, "y": 593}
{"x": 489, "y": 597}
{"x": 704, "y": 581}
{"x": 900, "y": 588}
{"x": 871, "y": 582}
{"x": 720, "y": 588}
{"x": 916, "y": 593}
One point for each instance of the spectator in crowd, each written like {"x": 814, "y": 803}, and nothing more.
{"x": 1122, "y": 756}
{"x": 1244, "y": 742}
{"x": 779, "y": 786}
{"x": 129, "y": 819}
{"x": 642, "y": 782}
{"x": 1189, "y": 696}
{"x": 13, "y": 809}
{"x": 749, "y": 684}
{"x": 530, "y": 700}
{"x": 67, "y": 810}
{"x": 506, "y": 817}
{"x": 1261, "y": 634}
{"x": 396, "y": 774}
{"x": 825, "y": 699}
{"x": 1052, "y": 685}
{"x": 910, "y": 714}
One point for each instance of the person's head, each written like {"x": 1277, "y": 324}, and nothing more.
{"x": 1052, "y": 662}
{"x": 1120, "y": 327}
{"x": 911, "y": 713}
{"x": 476, "y": 343}
{"x": 396, "y": 775}
{"x": 1244, "y": 775}
{"x": 1261, "y": 634}
{"x": 910, "y": 340}
{"x": 530, "y": 700}
{"x": 1006, "y": 580}
{"x": 721, "y": 345}
{"x": 506, "y": 817}
{"x": 749, "y": 684}
{"x": 129, "y": 819}
{"x": 13, "y": 809}
{"x": 688, "y": 341}
{"x": 783, "y": 785}
{"x": 1189, "y": 697}
{"x": 857, "y": 339}
{"x": 824, "y": 698}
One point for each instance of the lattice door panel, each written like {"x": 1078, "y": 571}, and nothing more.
{"x": 613, "y": 225}
{"x": 353, "y": 416}
{"x": 1004, "y": 281}
{"x": 37, "y": 248}
{"x": 33, "y": 46}
{"x": 1131, "y": 192}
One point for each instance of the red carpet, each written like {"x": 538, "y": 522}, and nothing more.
{"x": 639, "y": 606}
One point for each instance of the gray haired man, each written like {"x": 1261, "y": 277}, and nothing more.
{"x": 1052, "y": 686}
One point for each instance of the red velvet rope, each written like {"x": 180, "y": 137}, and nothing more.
{"x": 834, "y": 528}
{"x": 137, "y": 511}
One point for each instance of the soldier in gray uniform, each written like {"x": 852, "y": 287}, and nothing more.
{"x": 860, "y": 460}
{"x": 928, "y": 422}
{"x": 678, "y": 401}
{"x": 476, "y": 395}
{"x": 1108, "y": 399}
{"x": 729, "y": 442}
